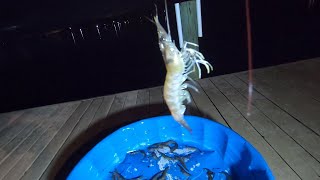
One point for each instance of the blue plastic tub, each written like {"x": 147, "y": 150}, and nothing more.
{"x": 238, "y": 156}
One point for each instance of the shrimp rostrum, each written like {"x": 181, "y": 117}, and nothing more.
{"x": 179, "y": 65}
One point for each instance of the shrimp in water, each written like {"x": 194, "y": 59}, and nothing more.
{"x": 179, "y": 64}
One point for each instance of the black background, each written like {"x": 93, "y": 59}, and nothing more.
{"x": 40, "y": 67}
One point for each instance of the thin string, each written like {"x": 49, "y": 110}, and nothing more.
{"x": 249, "y": 40}
{"x": 167, "y": 17}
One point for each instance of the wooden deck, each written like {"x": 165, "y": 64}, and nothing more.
{"x": 284, "y": 124}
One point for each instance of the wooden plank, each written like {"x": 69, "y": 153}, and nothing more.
{"x": 188, "y": 13}
{"x": 303, "y": 135}
{"x": 10, "y": 141}
{"x": 102, "y": 112}
{"x": 12, "y": 130}
{"x": 302, "y": 108}
{"x": 28, "y": 158}
{"x": 307, "y": 68}
{"x": 76, "y": 145}
{"x": 143, "y": 103}
{"x": 301, "y": 76}
{"x": 316, "y": 60}
{"x": 131, "y": 99}
{"x": 239, "y": 124}
{"x": 129, "y": 114}
{"x": 76, "y": 138}
{"x": 7, "y": 118}
{"x": 118, "y": 115}
{"x": 9, "y": 161}
{"x": 117, "y": 104}
{"x": 189, "y": 21}
{"x": 46, "y": 156}
{"x": 192, "y": 108}
{"x": 115, "y": 117}
{"x": 292, "y": 153}
{"x": 157, "y": 105}
{"x": 206, "y": 107}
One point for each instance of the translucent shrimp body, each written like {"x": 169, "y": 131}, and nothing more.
{"x": 179, "y": 64}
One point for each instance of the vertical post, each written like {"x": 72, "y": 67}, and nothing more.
{"x": 199, "y": 18}
{"x": 188, "y": 10}
{"x": 179, "y": 26}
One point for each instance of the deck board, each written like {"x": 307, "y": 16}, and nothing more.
{"x": 240, "y": 124}
{"x": 297, "y": 131}
{"x": 143, "y": 100}
{"x": 9, "y": 161}
{"x": 7, "y": 118}
{"x": 206, "y": 107}
{"x": 12, "y": 130}
{"x": 300, "y": 76}
{"x": 157, "y": 106}
{"x": 294, "y": 155}
{"x": 92, "y": 114}
{"x": 131, "y": 99}
{"x": 303, "y": 76}
{"x": 12, "y": 139}
{"x": 302, "y": 107}
{"x": 46, "y": 156}
{"x": 6, "y": 149}
{"x": 46, "y": 142}
{"x": 129, "y": 113}
{"x": 28, "y": 158}
{"x": 102, "y": 111}
{"x": 192, "y": 108}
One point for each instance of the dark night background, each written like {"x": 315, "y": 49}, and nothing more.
{"x": 40, "y": 64}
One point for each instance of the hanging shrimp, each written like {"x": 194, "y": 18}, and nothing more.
{"x": 179, "y": 64}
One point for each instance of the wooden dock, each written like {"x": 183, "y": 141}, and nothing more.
{"x": 284, "y": 122}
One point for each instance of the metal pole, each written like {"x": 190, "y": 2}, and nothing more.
{"x": 179, "y": 26}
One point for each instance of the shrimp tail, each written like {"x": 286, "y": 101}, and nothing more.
{"x": 182, "y": 122}
{"x": 185, "y": 125}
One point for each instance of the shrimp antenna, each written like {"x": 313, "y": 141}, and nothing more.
{"x": 152, "y": 21}
{"x": 156, "y": 8}
{"x": 167, "y": 17}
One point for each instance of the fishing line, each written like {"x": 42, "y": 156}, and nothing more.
{"x": 249, "y": 41}
{"x": 167, "y": 17}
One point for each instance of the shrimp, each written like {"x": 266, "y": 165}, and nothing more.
{"x": 179, "y": 64}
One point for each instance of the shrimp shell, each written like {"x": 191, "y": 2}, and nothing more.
{"x": 179, "y": 64}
